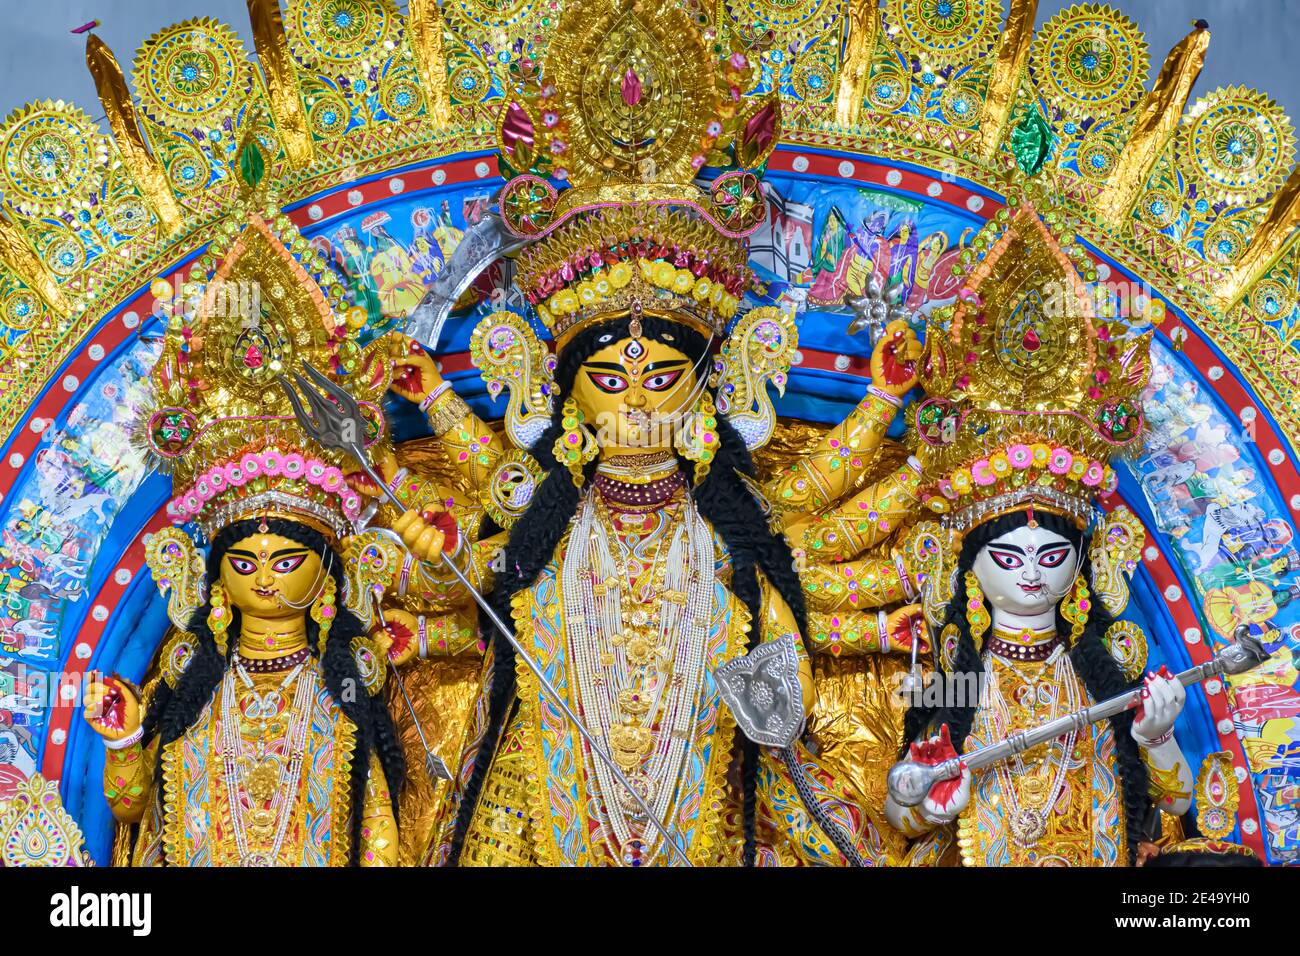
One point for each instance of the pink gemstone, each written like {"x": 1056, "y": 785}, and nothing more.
{"x": 253, "y": 357}
{"x": 1031, "y": 342}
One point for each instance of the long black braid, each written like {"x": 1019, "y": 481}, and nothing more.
{"x": 1100, "y": 673}
{"x": 722, "y": 499}
{"x": 174, "y": 710}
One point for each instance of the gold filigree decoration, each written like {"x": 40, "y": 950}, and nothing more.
{"x": 54, "y": 158}
{"x": 178, "y": 573}
{"x": 36, "y": 830}
{"x": 1128, "y": 646}
{"x": 191, "y": 75}
{"x": 758, "y": 350}
{"x": 945, "y": 32}
{"x": 1090, "y": 60}
{"x": 1237, "y": 143}
{"x": 1116, "y": 546}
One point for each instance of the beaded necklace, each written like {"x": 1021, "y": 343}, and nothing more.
{"x": 637, "y": 658}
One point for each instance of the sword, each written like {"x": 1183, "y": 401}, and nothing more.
{"x": 335, "y": 422}
{"x": 909, "y": 782}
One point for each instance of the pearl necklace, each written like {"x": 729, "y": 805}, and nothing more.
{"x": 638, "y": 673}
{"x": 1028, "y": 824}
{"x": 236, "y": 756}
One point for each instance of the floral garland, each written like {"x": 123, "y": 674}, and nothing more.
{"x": 269, "y": 463}
{"x": 606, "y": 284}
{"x": 1019, "y": 465}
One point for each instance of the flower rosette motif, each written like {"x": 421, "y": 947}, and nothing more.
{"x": 937, "y": 421}
{"x": 340, "y": 31}
{"x": 945, "y": 32}
{"x": 738, "y": 203}
{"x": 1118, "y": 420}
{"x": 191, "y": 75}
{"x": 53, "y": 156}
{"x": 1238, "y": 143}
{"x": 527, "y": 205}
{"x": 1090, "y": 61}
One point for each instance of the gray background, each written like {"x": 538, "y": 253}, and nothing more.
{"x": 1255, "y": 42}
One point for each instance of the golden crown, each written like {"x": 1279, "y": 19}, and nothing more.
{"x": 254, "y": 311}
{"x": 635, "y": 98}
{"x": 1031, "y": 392}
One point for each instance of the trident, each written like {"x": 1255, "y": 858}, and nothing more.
{"x": 335, "y": 422}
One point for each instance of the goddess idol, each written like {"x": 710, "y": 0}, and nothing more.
{"x": 637, "y": 554}
{"x": 264, "y": 740}
{"x": 1030, "y": 393}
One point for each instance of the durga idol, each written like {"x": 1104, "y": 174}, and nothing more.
{"x": 639, "y": 556}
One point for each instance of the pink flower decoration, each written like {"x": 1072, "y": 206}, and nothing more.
{"x": 332, "y": 479}
{"x": 1060, "y": 461}
{"x": 293, "y": 466}
{"x": 191, "y": 502}
{"x": 217, "y": 479}
{"x": 1092, "y": 477}
{"x": 236, "y": 476}
{"x": 203, "y": 489}
{"x": 981, "y": 473}
{"x": 315, "y": 472}
{"x": 1020, "y": 456}
{"x": 351, "y": 505}
{"x": 945, "y": 486}
{"x": 250, "y": 466}
{"x": 738, "y": 61}
{"x": 272, "y": 462}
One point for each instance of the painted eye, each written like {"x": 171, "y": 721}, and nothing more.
{"x": 291, "y": 563}
{"x": 657, "y": 383}
{"x": 1006, "y": 560}
{"x": 1053, "y": 559}
{"x": 608, "y": 382}
{"x": 242, "y": 565}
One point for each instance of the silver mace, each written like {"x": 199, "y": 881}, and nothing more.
{"x": 909, "y": 782}
{"x": 335, "y": 422}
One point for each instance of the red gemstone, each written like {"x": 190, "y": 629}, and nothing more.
{"x": 1031, "y": 341}
{"x": 253, "y": 357}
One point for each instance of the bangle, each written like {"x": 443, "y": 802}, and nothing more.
{"x": 129, "y": 740}
{"x": 900, "y": 566}
{"x": 446, "y": 413}
{"x": 1164, "y": 738}
{"x": 396, "y": 483}
{"x": 884, "y": 396}
{"x": 405, "y": 579}
{"x": 424, "y": 637}
{"x": 882, "y": 625}
{"x": 427, "y": 402}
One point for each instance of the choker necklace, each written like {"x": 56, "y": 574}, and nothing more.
{"x": 644, "y": 494}
{"x": 1010, "y": 645}
{"x": 273, "y": 665}
{"x": 640, "y": 464}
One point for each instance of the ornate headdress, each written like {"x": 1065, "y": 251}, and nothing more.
{"x": 1031, "y": 392}
{"x": 634, "y": 99}
{"x": 224, "y": 425}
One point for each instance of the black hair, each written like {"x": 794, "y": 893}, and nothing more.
{"x": 722, "y": 498}
{"x": 1101, "y": 674}
{"x": 174, "y": 710}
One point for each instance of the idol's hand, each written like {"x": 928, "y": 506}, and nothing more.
{"x": 1163, "y": 698}
{"x": 947, "y": 798}
{"x": 385, "y": 463}
{"x": 427, "y": 534}
{"x": 893, "y": 360}
{"x": 903, "y": 624}
{"x": 111, "y": 708}
{"x": 398, "y": 636}
{"x": 414, "y": 373}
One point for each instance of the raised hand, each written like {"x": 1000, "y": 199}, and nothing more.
{"x": 1163, "y": 698}
{"x": 414, "y": 373}
{"x": 427, "y": 534}
{"x": 947, "y": 798}
{"x": 111, "y": 708}
{"x": 398, "y": 636}
{"x": 903, "y": 624}
{"x": 894, "y": 359}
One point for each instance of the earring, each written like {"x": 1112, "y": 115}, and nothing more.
{"x": 322, "y": 611}
{"x": 1075, "y": 610}
{"x": 219, "y": 616}
{"x": 577, "y": 446}
{"x": 697, "y": 440}
{"x": 977, "y": 614}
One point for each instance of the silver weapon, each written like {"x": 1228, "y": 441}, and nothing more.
{"x": 765, "y": 696}
{"x": 909, "y": 782}
{"x": 481, "y": 246}
{"x": 335, "y": 422}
